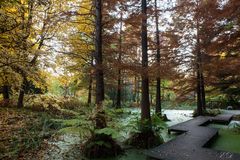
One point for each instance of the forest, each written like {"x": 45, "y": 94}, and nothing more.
{"x": 109, "y": 79}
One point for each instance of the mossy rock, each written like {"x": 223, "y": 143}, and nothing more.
{"x": 101, "y": 146}
{"x": 145, "y": 140}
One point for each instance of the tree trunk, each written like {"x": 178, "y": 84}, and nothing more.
{"x": 158, "y": 97}
{"x": 6, "y": 95}
{"x": 135, "y": 89}
{"x": 145, "y": 106}
{"x": 100, "y": 120}
{"x": 20, "y": 103}
{"x": 90, "y": 90}
{"x": 203, "y": 91}
{"x": 199, "y": 93}
{"x": 199, "y": 72}
{"x": 119, "y": 90}
{"x": 20, "y": 99}
{"x": 119, "y": 87}
{"x": 90, "y": 84}
{"x": 158, "y": 109}
{"x": 98, "y": 54}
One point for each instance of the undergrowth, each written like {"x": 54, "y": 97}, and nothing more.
{"x": 24, "y": 132}
{"x": 208, "y": 112}
{"x": 62, "y": 106}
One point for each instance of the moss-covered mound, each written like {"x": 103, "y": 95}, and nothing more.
{"x": 101, "y": 146}
{"x": 145, "y": 140}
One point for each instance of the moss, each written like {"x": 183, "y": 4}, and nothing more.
{"x": 67, "y": 123}
{"x": 227, "y": 140}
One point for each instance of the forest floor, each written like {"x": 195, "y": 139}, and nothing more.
{"x": 33, "y": 135}
{"x": 15, "y": 138}
{"x": 27, "y": 134}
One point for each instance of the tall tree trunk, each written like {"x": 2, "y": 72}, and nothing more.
{"x": 98, "y": 54}
{"x": 90, "y": 84}
{"x": 145, "y": 106}
{"x": 199, "y": 93}
{"x": 119, "y": 90}
{"x": 90, "y": 91}
{"x": 119, "y": 86}
{"x": 136, "y": 90}
{"x": 100, "y": 120}
{"x": 199, "y": 70}
{"x": 158, "y": 109}
{"x": 203, "y": 90}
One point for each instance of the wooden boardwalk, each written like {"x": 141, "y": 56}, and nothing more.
{"x": 190, "y": 145}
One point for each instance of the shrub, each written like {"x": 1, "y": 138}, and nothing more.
{"x": 53, "y": 104}
{"x": 208, "y": 112}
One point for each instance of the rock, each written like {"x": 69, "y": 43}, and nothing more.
{"x": 229, "y": 107}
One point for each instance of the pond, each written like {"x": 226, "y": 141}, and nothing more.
{"x": 178, "y": 116}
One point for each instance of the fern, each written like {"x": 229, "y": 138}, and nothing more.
{"x": 109, "y": 131}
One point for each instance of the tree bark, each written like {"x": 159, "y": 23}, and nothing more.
{"x": 20, "y": 99}
{"x": 20, "y": 103}
{"x": 158, "y": 109}
{"x": 145, "y": 105}
{"x": 202, "y": 87}
{"x": 6, "y": 94}
{"x": 90, "y": 84}
{"x": 119, "y": 86}
{"x": 199, "y": 93}
{"x": 98, "y": 54}
{"x": 135, "y": 89}
{"x": 100, "y": 119}
{"x": 90, "y": 91}
{"x": 200, "y": 84}
{"x": 158, "y": 97}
